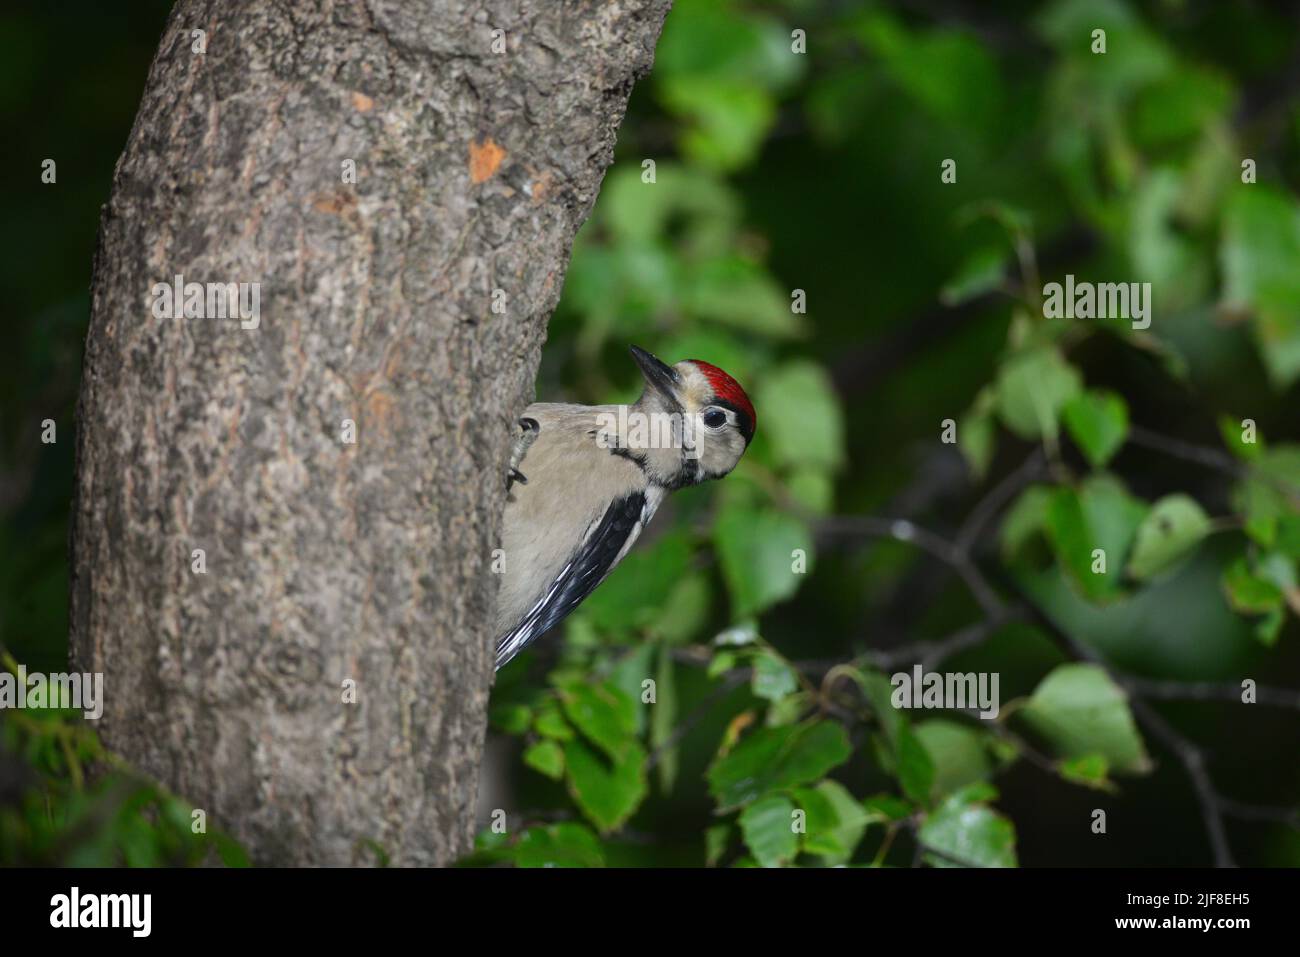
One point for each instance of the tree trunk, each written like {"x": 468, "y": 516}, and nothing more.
{"x": 326, "y": 561}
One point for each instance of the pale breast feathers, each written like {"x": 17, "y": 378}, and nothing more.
{"x": 572, "y": 520}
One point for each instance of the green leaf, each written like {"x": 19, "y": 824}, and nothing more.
{"x": 230, "y": 851}
{"x": 1032, "y": 388}
{"x": 773, "y": 679}
{"x": 739, "y": 635}
{"x": 738, "y": 292}
{"x": 1287, "y": 539}
{"x": 559, "y": 845}
{"x": 1081, "y": 712}
{"x": 1249, "y": 593}
{"x": 684, "y": 612}
{"x": 1098, "y": 423}
{"x": 1276, "y": 567}
{"x": 1100, "y": 515}
{"x": 722, "y": 662}
{"x": 724, "y": 347}
{"x": 635, "y": 594}
{"x": 977, "y": 439}
{"x": 1233, "y": 431}
{"x": 801, "y": 416}
{"x": 812, "y": 488}
{"x": 1024, "y": 519}
{"x": 767, "y": 826}
{"x": 1174, "y": 526}
{"x": 912, "y": 763}
{"x": 966, "y": 829}
{"x": 663, "y": 719}
{"x": 608, "y": 794}
{"x": 1269, "y": 627}
{"x": 1161, "y": 253}
{"x": 550, "y": 723}
{"x": 714, "y": 40}
{"x": 790, "y": 709}
{"x": 907, "y": 757}
{"x": 603, "y": 713}
{"x": 510, "y": 718}
{"x": 834, "y": 821}
{"x": 756, "y": 550}
{"x": 1134, "y": 58}
{"x": 623, "y": 287}
{"x": 727, "y": 120}
{"x": 491, "y": 847}
{"x": 886, "y": 807}
{"x": 639, "y": 213}
{"x": 546, "y": 757}
{"x": 819, "y": 820}
{"x": 949, "y": 73}
{"x": 1090, "y": 770}
{"x": 1270, "y": 492}
{"x": 772, "y": 758}
{"x": 977, "y": 433}
{"x": 878, "y": 691}
{"x": 959, "y": 754}
{"x": 1182, "y": 105}
{"x": 1259, "y": 251}
{"x": 979, "y": 273}
{"x": 628, "y": 675}
{"x": 716, "y": 839}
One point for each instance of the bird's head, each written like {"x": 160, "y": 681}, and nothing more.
{"x": 713, "y": 420}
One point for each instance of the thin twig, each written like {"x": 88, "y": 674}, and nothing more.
{"x": 1211, "y": 458}
{"x": 987, "y": 508}
{"x": 1187, "y": 451}
{"x": 930, "y": 653}
{"x": 904, "y": 530}
{"x": 1289, "y": 816}
{"x": 1210, "y": 691}
{"x": 1188, "y": 754}
{"x": 957, "y": 555}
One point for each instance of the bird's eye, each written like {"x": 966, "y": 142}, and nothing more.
{"x": 715, "y": 418}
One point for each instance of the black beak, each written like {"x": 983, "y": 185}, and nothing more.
{"x": 660, "y": 377}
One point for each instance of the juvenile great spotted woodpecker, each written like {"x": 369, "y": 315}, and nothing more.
{"x": 584, "y": 480}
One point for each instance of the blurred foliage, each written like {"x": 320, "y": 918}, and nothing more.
{"x": 684, "y": 717}
{"x": 65, "y": 800}
{"x": 714, "y": 702}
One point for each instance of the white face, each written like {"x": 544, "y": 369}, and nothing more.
{"x": 723, "y": 446}
{"x": 706, "y": 436}
{"x": 711, "y": 441}
{"x": 714, "y": 438}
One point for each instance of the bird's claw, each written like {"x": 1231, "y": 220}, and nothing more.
{"x": 531, "y": 428}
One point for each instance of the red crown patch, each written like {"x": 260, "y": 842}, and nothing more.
{"x": 729, "y": 390}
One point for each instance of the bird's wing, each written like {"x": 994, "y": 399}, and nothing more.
{"x": 603, "y": 547}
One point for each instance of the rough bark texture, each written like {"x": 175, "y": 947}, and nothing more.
{"x": 326, "y": 560}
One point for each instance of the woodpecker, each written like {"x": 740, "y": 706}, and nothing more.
{"x": 585, "y": 480}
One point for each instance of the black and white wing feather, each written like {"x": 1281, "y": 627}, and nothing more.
{"x": 603, "y": 547}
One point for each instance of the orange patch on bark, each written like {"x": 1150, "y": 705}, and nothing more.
{"x": 362, "y": 103}
{"x": 542, "y": 187}
{"x": 379, "y": 405}
{"x": 333, "y": 203}
{"x": 484, "y": 159}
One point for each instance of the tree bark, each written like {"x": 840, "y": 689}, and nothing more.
{"x": 328, "y": 560}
